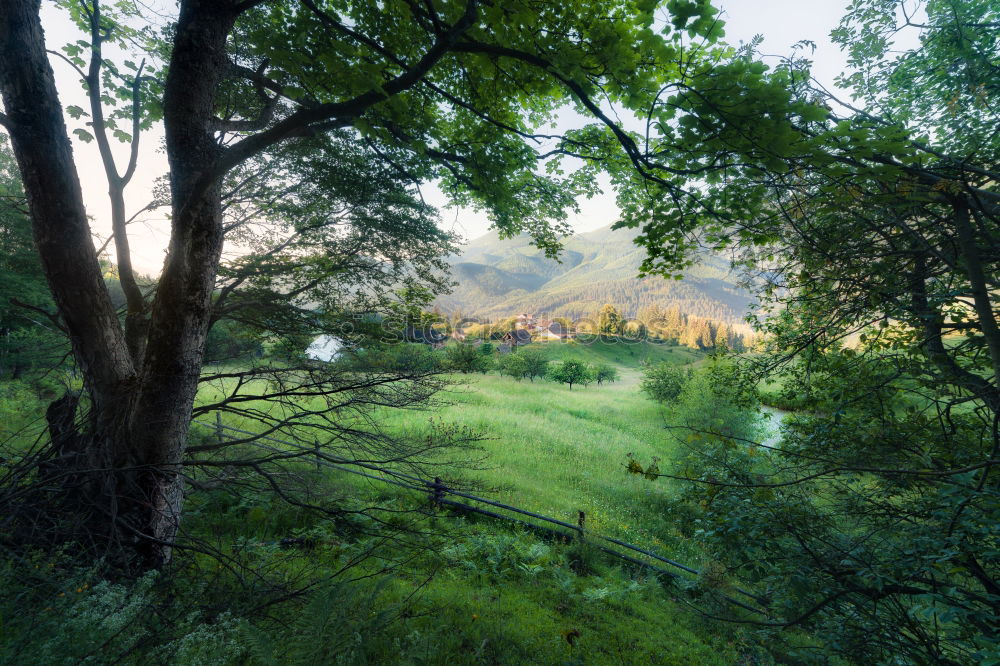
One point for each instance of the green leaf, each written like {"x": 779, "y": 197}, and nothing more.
{"x": 83, "y": 135}
{"x": 76, "y": 112}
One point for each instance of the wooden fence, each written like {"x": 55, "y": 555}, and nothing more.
{"x": 440, "y": 495}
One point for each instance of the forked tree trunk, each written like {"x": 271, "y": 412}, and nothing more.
{"x": 124, "y": 455}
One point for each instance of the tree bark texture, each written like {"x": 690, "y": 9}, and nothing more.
{"x": 131, "y": 441}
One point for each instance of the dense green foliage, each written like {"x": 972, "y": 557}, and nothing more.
{"x": 609, "y": 320}
{"x": 872, "y": 520}
{"x": 28, "y": 336}
{"x": 466, "y": 358}
{"x": 663, "y": 382}
{"x": 869, "y": 522}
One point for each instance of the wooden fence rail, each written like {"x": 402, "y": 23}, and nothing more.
{"x": 437, "y": 491}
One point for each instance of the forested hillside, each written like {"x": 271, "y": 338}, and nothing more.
{"x": 500, "y": 277}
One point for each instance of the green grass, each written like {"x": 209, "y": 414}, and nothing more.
{"x": 478, "y": 598}
{"x": 509, "y": 597}
{"x": 558, "y": 451}
{"x": 477, "y": 591}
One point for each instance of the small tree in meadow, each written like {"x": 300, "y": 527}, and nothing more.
{"x": 571, "y": 372}
{"x": 662, "y": 382}
{"x": 487, "y": 360}
{"x": 512, "y": 365}
{"x": 464, "y": 358}
{"x": 535, "y": 362}
{"x": 604, "y": 372}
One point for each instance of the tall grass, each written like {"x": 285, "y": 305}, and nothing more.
{"x": 558, "y": 451}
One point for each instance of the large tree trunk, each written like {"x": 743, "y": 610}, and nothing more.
{"x": 120, "y": 463}
{"x": 182, "y": 310}
{"x": 38, "y": 135}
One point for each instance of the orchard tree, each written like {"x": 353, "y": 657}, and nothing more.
{"x": 512, "y": 365}
{"x": 535, "y": 360}
{"x": 571, "y": 372}
{"x": 464, "y": 358}
{"x": 604, "y": 372}
{"x": 525, "y": 362}
{"x": 453, "y": 91}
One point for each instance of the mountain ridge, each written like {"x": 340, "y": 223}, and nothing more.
{"x": 502, "y": 277}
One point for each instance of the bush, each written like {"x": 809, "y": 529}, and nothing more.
{"x": 734, "y": 405}
{"x": 512, "y": 365}
{"x": 465, "y": 359}
{"x": 662, "y": 382}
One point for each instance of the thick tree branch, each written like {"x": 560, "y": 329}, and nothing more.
{"x": 336, "y": 114}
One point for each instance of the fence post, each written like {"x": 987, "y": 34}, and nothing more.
{"x": 437, "y": 493}
{"x": 581, "y": 521}
{"x": 218, "y": 427}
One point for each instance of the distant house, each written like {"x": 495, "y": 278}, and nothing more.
{"x": 325, "y": 348}
{"x": 554, "y": 331}
{"x": 426, "y": 336}
{"x": 524, "y": 320}
{"x": 516, "y": 338}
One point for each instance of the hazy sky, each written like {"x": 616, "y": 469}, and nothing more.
{"x": 781, "y": 22}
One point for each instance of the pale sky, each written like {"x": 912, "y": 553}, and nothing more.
{"x": 781, "y": 22}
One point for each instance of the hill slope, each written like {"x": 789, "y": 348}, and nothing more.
{"x": 499, "y": 278}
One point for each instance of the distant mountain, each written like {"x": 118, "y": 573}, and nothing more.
{"x": 498, "y": 278}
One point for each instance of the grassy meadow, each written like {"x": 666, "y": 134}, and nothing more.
{"x": 445, "y": 588}
{"x": 556, "y": 450}
{"x": 489, "y": 592}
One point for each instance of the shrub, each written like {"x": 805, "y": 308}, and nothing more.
{"x": 512, "y": 365}
{"x": 662, "y": 382}
{"x": 733, "y": 414}
{"x": 465, "y": 359}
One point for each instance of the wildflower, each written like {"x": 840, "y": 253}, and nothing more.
{"x": 474, "y": 617}
{"x": 79, "y": 590}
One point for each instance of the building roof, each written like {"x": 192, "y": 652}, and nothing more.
{"x": 325, "y": 348}
{"x": 521, "y": 336}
